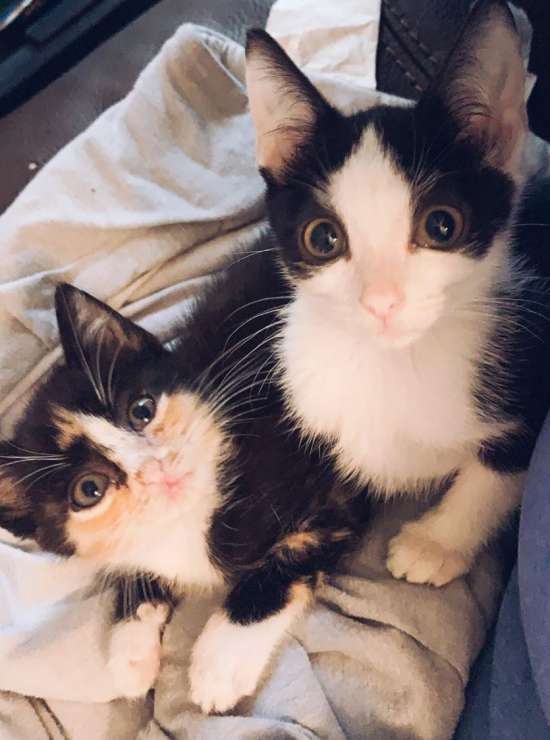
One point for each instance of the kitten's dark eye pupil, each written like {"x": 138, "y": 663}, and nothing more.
{"x": 88, "y": 490}
{"x": 323, "y": 239}
{"x": 142, "y": 412}
{"x": 440, "y": 226}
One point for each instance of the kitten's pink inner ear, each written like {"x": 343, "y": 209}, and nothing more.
{"x": 485, "y": 86}
{"x": 505, "y": 99}
{"x": 282, "y": 119}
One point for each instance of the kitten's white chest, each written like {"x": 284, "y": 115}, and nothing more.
{"x": 398, "y": 416}
{"x": 174, "y": 544}
{"x": 182, "y": 556}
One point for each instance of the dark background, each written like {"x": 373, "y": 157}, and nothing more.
{"x": 56, "y": 77}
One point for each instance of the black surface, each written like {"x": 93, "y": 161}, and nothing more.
{"x": 416, "y": 36}
{"x": 37, "y": 49}
{"x": 538, "y": 107}
{"x": 32, "y": 133}
{"x": 76, "y": 86}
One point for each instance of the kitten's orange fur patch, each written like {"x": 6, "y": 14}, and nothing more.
{"x": 172, "y": 417}
{"x": 94, "y": 534}
{"x": 11, "y": 496}
{"x": 301, "y": 593}
{"x": 298, "y": 543}
{"x": 68, "y": 425}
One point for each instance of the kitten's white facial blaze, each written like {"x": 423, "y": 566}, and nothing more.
{"x": 396, "y": 291}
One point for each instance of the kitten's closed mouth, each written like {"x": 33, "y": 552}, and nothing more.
{"x": 171, "y": 483}
{"x": 398, "y": 340}
{"x": 174, "y": 486}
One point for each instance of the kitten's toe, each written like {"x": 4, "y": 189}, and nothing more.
{"x": 417, "y": 558}
{"x": 134, "y": 650}
{"x": 221, "y": 673}
{"x": 153, "y": 613}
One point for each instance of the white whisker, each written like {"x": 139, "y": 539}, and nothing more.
{"x": 110, "y": 375}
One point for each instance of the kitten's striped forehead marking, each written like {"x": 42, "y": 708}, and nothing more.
{"x": 374, "y": 201}
{"x": 117, "y": 445}
{"x": 173, "y": 416}
{"x": 67, "y": 425}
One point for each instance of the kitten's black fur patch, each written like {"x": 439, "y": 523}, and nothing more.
{"x": 518, "y": 387}
{"x": 132, "y": 591}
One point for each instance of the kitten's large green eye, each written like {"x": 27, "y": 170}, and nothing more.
{"x": 141, "y": 412}
{"x": 89, "y": 490}
{"x": 323, "y": 239}
{"x": 439, "y": 227}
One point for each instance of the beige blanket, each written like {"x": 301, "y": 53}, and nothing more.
{"x": 139, "y": 210}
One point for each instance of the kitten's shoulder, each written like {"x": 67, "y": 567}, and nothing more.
{"x": 241, "y": 299}
{"x": 532, "y": 231}
{"x": 253, "y": 272}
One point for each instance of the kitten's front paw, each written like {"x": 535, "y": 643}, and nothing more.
{"x": 418, "y": 558}
{"x": 134, "y": 650}
{"x": 222, "y": 672}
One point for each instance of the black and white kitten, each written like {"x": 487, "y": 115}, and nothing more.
{"x": 177, "y": 469}
{"x": 415, "y": 344}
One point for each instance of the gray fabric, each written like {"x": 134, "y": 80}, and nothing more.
{"x": 375, "y": 658}
{"x": 139, "y": 210}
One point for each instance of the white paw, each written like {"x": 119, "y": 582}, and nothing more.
{"x": 134, "y": 650}
{"x": 225, "y": 666}
{"x": 416, "y": 557}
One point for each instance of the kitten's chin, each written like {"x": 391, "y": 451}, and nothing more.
{"x": 398, "y": 341}
{"x": 400, "y": 333}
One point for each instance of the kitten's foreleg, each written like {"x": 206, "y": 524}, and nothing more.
{"x": 442, "y": 544}
{"x": 235, "y": 647}
{"x": 142, "y": 606}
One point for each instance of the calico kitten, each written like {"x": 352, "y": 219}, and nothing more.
{"x": 415, "y": 344}
{"x": 177, "y": 469}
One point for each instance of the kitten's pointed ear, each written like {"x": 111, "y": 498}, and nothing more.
{"x": 15, "y": 504}
{"x": 483, "y": 85}
{"x": 92, "y": 333}
{"x": 285, "y": 106}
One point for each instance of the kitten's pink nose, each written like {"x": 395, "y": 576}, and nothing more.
{"x": 171, "y": 480}
{"x": 383, "y": 305}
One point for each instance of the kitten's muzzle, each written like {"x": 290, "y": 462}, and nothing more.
{"x": 162, "y": 474}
